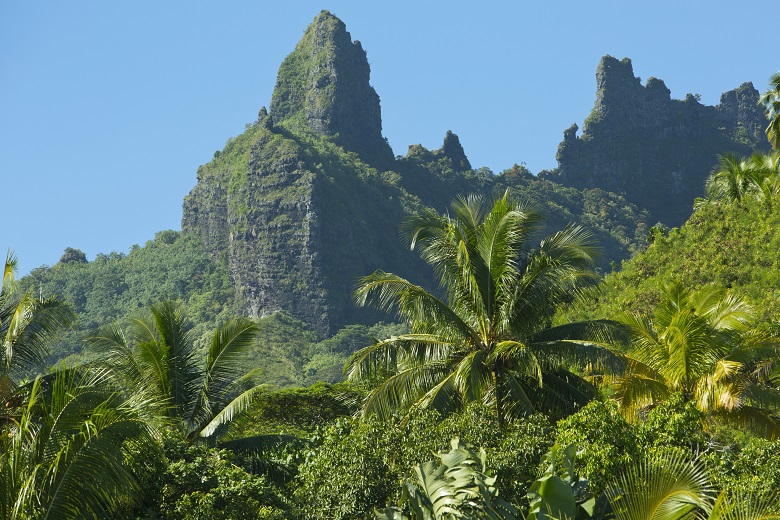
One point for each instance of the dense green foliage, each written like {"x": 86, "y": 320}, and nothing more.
{"x": 114, "y": 286}
{"x": 618, "y": 226}
{"x": 490, "y": 341}
{"x": 181, "y": 409}
{"x": 729, "y": 245}
{"x": 203, "y": 483}
{"x": 371, "y": 457}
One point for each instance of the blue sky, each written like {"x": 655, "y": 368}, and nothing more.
{"x": 108, "y": 108}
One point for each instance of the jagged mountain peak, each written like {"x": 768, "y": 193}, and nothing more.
{"x": 656, "y": 150}
{"x": 454, "y": 151}
{"x": 323, "y": 86}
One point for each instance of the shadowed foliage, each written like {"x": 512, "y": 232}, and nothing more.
{"x": 491, "y": 340}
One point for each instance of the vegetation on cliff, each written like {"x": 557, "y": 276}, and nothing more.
{"x": 163, "y": 420}
{"x": 656, "y": 150}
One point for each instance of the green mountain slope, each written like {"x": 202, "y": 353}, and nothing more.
{"x": 733, "y": 246}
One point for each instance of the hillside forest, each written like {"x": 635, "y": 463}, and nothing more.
{"x": 337, "y": 333}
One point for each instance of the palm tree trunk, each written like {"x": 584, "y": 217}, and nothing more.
{"x": 499, "y": 398}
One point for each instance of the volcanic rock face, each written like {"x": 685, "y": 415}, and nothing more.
{"x": 324, "y": 85}
{"x": 298, "y": 219}
{"x": 303, "y": 203}
{"x": 657, "y": 150}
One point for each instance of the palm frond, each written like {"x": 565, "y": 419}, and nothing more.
{"x": 72, "y": 440}
{"x": 234, "y": 407}
{"x": 27, "y": 325}
{"x": 229, "y": 343}
{"x": 746, "y": 507}
{"x": 405, "y": 388}
{"x": 254, "y": 453}
{"x": 384, "y": 357}
{"x": 760, "y": 421}
{"x": 663, "y": 486}
{"x": 413, "y": 304}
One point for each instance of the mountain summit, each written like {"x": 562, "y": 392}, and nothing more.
{"x": 655, "y": 149}
{"x": 323, "y": 85}
{"x": 297, "y": 219}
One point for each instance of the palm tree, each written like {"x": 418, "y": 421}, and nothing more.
{"x": 157, "y": 360}
{"x": 492, "y": 340}
{"x": 65, "y": 455}
{"x": 766, "y": 168}
{"x": 771, "y": 100}
{"x": 27, "y": 324}
{"x": 699, "y": 344}
{"x": 739, "y": 180}
{"x": 668, "y": 486}
{"x": 730, "y": 180}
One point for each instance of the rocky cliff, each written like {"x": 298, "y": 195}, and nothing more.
{"x": 656, "y": 150}
{"x": 309, "y": 197}
{"x": 297, "y": 215}
{"x": 323, "y": 86}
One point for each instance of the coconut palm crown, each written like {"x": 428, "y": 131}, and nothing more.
{"x": 756, "y": 178}
{"x": 771, "y": 101}
{"x": 700, "y": 344}
{"x": 27, "y": 325}
{"x": 491, "y": 338}
{"x": 157, "y": 359}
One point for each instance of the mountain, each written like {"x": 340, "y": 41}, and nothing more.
{"x": 300, "y": 202}
{"x": 323, "y": 87}
{"x": 656, "y": 150}
{"x": 733, "y": 246}
{"x": 309, "y": 197}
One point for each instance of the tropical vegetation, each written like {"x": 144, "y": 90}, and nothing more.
{"x": 771, "y": 102}
{"x": 157, "y": 360}
{"x": 525, "y": 385}
{"x": 700, "y": 345}
{"x": 491, "y": 340}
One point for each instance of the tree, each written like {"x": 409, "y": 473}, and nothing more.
{"x": 701, "y": 345}
{"x": 27, "y": 324}
{"x": 492, "y": 341}
{"x": 65, "y": 455}
{"x": 157, "y": 360}
{"x": 73, "y": 255}
{"x": 771, "y": 100}
{"x": 668, "y": 486}
{"x": 730, "y": 180}
{"x": 739, "y": 180}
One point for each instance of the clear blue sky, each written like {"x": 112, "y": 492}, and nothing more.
{"x": 108, "y": 108}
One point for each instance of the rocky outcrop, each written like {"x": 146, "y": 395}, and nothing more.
{"x": 323, "y": 85}
{"x": 437, "y": 176}
{"x": 453, "y": 150}
{"x": 656, "y": 150}
{"x": 296, "y": 218}
{"x": 254, "y": 202}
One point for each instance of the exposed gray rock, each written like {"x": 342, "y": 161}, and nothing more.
{"x": 656, "y": 150}
{"x": 324, "y": 85}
